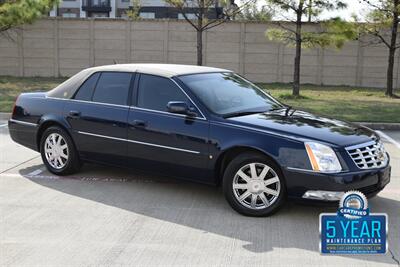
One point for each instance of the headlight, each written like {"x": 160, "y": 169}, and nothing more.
{"x": 322, "y": 157}
{"x": 382, "y": 154}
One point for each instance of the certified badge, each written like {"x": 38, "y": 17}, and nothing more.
{"x": 353, "y": 205}
{"x": 353, "y": 229}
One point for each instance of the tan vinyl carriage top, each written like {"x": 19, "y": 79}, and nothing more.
{"x": 166, "y": 70}
{"x": 69, "y": 87}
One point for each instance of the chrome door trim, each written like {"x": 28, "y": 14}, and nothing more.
{"x": 167, "y": 113}
{"x": 90, "y": 102}
{"x": 139, "y": 142}
{"x": 24, "y": 123}
{"x": 138, "y": 108}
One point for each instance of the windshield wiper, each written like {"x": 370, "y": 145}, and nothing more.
{"x": 289, "y": 108}
{"x": 241, "y": 113}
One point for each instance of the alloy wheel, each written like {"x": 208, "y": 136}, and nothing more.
{"x": 56, "y": 151}
{"x": 256, "y": 186}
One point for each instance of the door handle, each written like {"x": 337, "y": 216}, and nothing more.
{"x": 139, "y": 124}
{"x": 74, "y": 114}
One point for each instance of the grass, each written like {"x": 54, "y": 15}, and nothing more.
{"x": 11, "y": 87}
{"x": 341, "y": 102}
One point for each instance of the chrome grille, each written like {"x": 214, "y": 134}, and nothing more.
{"x": 368, "y": 155}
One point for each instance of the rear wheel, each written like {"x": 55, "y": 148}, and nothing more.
{"x": 254, "y": 185}
{"x": 58, "y": 151}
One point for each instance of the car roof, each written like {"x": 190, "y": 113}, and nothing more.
{"x": 166, "y": 70}
{"x": 69, "y": 87}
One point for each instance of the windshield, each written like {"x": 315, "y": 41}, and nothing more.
{"x": 229, "y": 94}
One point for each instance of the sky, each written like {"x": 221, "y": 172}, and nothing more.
{"x": 357, "y": 7}
{"x": 354, "y": 6}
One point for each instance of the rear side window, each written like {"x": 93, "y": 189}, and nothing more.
{"x": 85, "y": 92}
{"x": 155, "y": 92}
{"x": 113, "y": 88}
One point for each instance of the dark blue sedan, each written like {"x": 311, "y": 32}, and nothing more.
{"x": 202, "y": 124}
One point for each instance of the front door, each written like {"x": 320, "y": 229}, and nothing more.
{"x": 164, "y": 142}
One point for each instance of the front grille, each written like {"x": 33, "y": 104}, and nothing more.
{"x": 369, "y": 155}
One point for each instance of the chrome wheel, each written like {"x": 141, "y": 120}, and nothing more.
{"x": 256, "y": 186}
{"x": 56, "y": 151}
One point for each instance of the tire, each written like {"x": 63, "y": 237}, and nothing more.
{"x": 259, "y": 203}
{"x": 58, "y": 152}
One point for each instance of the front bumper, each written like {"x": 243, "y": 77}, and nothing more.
{"x": 303, "y": 184}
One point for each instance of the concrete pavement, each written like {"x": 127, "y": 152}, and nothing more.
{"x": 106, "y": 216}
{"x": 12, "y": 153}
{"x": 395, "y": 135}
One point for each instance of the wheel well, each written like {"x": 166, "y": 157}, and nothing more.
{"x": 229, "y": 155}
{"x": 43, "y": 128}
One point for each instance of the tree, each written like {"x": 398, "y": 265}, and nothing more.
{"x": 254, "y": 12}
{"x": 312, "y": 11}
{"x": 203, "y": 15}
{"x": 333, "y": 32}
{"x": 382, "y": 24}
{"x": 14, "y": 13}
{"x": 134, "y": 12}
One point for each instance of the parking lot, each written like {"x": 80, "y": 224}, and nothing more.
{"x": 107, "y": 216}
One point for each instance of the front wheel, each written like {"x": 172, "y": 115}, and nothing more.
{"x": 58, "y": 152}
{"x": 253, "y": 185}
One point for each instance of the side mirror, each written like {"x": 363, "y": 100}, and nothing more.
{"x": 180, "y": 107}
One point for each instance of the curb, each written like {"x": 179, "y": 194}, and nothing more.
{"x": 4, "y": 116}
{"x": 372, "y": 125}
{"x": 381, "y": 126}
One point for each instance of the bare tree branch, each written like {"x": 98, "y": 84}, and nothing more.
{"x": 383, "y": 40}
{"x": 283, "y": 3}
{"x": 376, "y": 6}
{"x": 189, "y": 20}
{"x": 7, "y": 33}
{"x": 280, "y": 24}
{"x": 214, "y": 23}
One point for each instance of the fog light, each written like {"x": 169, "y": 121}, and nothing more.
{"x": 323, "y": 195}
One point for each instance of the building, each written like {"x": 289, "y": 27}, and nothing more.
{"x": 149, "y": 9}
{"x": 88, "y": 8}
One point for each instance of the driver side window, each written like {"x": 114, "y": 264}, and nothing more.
{"x": 155, "y": 92}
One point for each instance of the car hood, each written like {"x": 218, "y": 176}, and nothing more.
{"x": 306, "y": 126}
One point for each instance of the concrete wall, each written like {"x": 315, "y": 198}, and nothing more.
{"x": 62, "y": 47}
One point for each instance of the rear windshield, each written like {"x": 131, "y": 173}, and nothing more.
{"x": 68, "y": 88}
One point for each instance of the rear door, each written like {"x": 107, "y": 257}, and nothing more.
{"x": 98, "y": 116}
{"x": 164, "y": 142}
